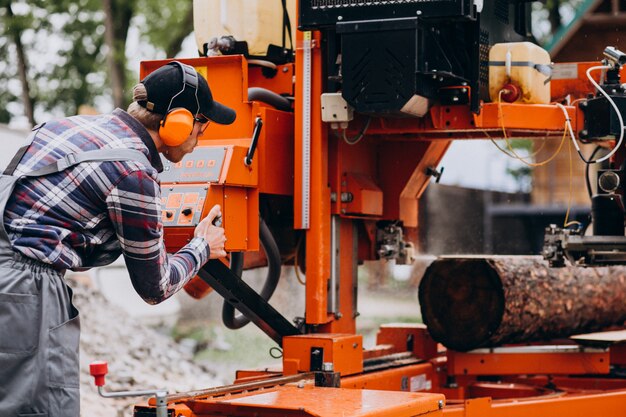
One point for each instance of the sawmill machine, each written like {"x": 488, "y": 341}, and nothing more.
{"x": 338, "y": 133}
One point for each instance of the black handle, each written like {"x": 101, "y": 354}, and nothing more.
{"x": 258, "y": 124}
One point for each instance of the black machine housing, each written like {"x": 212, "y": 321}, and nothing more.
{"x": 383, "y": 53}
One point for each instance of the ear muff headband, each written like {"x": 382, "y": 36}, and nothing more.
{"x": 177, "y": 124}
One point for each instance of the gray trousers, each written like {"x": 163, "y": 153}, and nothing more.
{"x": 39, "y": 335}
{"x": 39, "y": 328}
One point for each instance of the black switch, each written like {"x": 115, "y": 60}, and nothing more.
{"x": 186, "y": 212}
{"x": 169, "y": 214}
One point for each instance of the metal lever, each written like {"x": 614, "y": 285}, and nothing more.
{"x": 434, "y": 173}
{"x": 258, "y": 124}
{"x": 99, "y": 369}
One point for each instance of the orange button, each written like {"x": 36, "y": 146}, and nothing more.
{"x": 174, "y": 200}
{"x": 211, "y": 163}
{"x": 191, "y": 198}
{"x": 200, "y": 164}
{"x": 185, "y": 219}
{"x": 189, "y": 164}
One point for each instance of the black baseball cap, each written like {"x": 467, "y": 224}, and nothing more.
{"x": 170, "y": 82}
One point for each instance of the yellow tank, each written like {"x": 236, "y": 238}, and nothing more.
{"x": 258, "y": 22}
{"x": 522, "y": 70}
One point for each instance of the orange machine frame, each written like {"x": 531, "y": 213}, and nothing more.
{"x": 300, "y": 157}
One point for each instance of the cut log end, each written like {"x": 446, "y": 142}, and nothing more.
{"x": 466, "y": 296}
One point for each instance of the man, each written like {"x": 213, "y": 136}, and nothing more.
{"x": 83, "y": 192}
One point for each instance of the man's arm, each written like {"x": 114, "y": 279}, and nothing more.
{"x": 135, "y": 210}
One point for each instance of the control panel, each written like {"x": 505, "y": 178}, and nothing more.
{"x": 211, "y": 174}
{"x": 204, "y": 164}
{"x": 182, "y": 205}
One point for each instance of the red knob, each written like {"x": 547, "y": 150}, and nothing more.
{"x": 98, "y": 370}
{"x": 511, "y": 93}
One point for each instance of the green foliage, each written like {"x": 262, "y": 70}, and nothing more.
{"x": 166, "y": 23}
{"x": 66, "y": 53}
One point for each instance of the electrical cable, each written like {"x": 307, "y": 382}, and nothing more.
{"x": 359, "y": 136}
{"x": 276, "y": 355}
{"x": 567, "y": 127}
{"x": 514, "y": 154}
{"x": 296, "y": 267}
{"x": 567, "y": 223}
{"x": 617, "y": 112}
{"x": 587, "y": 180}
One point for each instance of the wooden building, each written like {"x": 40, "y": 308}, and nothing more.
{"x": 596, "y": 25}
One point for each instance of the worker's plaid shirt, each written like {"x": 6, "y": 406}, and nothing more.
{"x": 87, "y": 215}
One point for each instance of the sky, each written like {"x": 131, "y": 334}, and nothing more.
{"x": 478, "y": 164}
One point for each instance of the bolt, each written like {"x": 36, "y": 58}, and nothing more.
{"x": 346, "y": 197}
{"x": 300, "y": 384}
{"x": 285, "y": 69}
{"x": 419, "y": 12}
{"x": 355, "y": 345}
{"x": 328, "y": 367}
{"x": 440, "y": 404}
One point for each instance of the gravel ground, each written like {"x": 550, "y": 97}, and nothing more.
{"x": 139, "y": 357}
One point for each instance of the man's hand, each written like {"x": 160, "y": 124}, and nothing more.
{"x": 213, "y": 235}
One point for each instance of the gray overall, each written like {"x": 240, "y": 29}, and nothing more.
{"x": 39, "y": 325}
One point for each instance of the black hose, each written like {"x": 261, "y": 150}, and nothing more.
{"x": 272, "y": 254}
{"x": 583, "y": 230}
{"x": 269, "y": 97}
{"x": 587, "y": 180}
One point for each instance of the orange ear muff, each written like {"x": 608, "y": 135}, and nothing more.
{"x": 176, "y": 126}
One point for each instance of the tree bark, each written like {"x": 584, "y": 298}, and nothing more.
{"x": 474, "y": 302}
{"x": 117, "y": 16}
{"x": 22, "y": 68}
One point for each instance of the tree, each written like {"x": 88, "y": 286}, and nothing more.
{"x": 73, "y": 52}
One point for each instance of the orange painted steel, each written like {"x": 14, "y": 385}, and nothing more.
{"x": 494, "y": 363}
{"x": 344, "y": 319}
{"x": 577, "y": 84}
{"x": 275, "y": 153}
{"x": 318, "y": 246}
{"x": 313, "y": 401}
{"x": 561, "y": 405}
{"x": 344, "y": 351}
{"x": 280, "y": 83}
{"x": 386, "y": 173}
{"x": 363, "y": 196}
{"x": 406, "y": 337}
{"x": 412, "y": 378}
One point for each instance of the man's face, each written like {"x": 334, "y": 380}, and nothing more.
{"x": 176, "y": 153}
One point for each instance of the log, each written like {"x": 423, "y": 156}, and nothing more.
{"x": 472, "y": 302}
